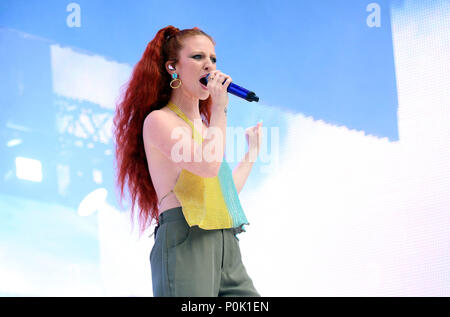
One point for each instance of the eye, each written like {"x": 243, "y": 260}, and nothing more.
{"x": 214, "y": 60}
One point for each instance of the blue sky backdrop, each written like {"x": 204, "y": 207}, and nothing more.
{"x": 319, "y": 58}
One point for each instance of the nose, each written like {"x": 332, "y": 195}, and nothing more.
{"x": 209, "y": 66}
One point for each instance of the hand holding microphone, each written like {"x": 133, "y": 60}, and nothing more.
{"x": 218, "y": 84}
{"x": 234, "y": 89}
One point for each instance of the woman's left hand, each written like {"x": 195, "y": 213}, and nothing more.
{"x": 254, "y": 137}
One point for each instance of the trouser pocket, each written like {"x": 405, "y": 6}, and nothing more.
{"x": 178, "y": 232}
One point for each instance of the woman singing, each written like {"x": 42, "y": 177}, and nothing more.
{"x": 166, "y": 114}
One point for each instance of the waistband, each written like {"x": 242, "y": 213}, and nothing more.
{"x": 171, "y": 214}
{"x": 176, "y": 213}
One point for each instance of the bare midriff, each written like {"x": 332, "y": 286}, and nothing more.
{"x": 169, "y": 202}
{"x": 164, "y": 175}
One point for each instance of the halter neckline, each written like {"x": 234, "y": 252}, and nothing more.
{"x": 197, "y": 136}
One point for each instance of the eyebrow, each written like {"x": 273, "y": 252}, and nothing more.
{"x": 213, "y": 55}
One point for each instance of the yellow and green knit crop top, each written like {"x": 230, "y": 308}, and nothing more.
{"x": 208, "y": 202}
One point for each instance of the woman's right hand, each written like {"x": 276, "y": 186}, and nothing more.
{"x": 217, "y": 90}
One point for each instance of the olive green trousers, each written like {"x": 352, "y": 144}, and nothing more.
{"x": 192, "y": 262}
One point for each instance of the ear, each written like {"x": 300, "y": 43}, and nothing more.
{"x": 169, "y": 66}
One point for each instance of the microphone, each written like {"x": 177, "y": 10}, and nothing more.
{"x": 236, "y": 90}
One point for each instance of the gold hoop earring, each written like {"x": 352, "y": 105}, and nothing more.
{"x": 175, "y": 78}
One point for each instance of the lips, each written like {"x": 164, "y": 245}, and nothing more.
{"x": 204, "y": 86}
{"x": 203, "y": 80}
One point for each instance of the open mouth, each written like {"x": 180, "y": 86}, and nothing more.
{"x": 203, "y": 80}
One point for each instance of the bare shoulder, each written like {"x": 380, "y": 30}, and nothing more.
{"x": 160, "y": 116}
{"x": 153, "y": 117}
{"x": 154, "y": 121}
{"x": 157, "y": 129}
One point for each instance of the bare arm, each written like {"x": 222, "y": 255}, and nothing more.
{"x": 176, "y": 142}
{"x": 166, "y": 135}
{"x": 243, "y": 169}
{"x": 241, "y": 172}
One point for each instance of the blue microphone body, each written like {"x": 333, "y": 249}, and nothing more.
{"x": 236, "y": 90}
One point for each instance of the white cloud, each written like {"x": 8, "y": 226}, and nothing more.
{"x": 352, "y": 215}
{"x": 87, "y": 77}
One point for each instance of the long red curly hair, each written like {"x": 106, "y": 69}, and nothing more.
{"x": 148, "y": 89}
